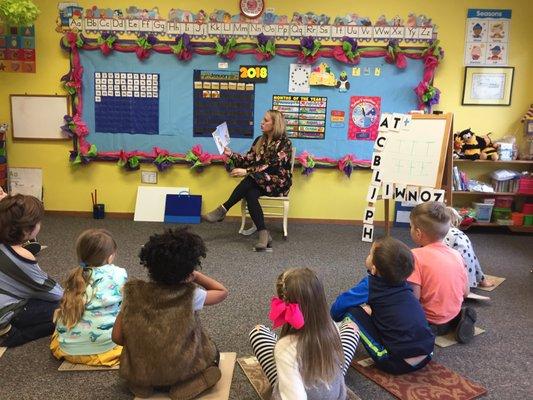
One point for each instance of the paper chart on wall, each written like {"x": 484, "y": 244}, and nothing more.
{"x": 487, "y": 37}
{"x": 409, "y": 157}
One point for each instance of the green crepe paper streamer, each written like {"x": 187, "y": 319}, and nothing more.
{"x": 133, "y": 161}
{"x": 69, "y": 89}
{"x": 310, "y": 163}
{"x": 177, "y": 48}
{"x": 92, "y": 151}
{"x": 109, "y": 41}
{"x": 347, "y": 48}
{"x": 77, "y": 160}
{"x": 270, "y": 47}
{"x": 121, "y": 163}
{"x": 143, "y": 42}
{"x": 79, "y": 41}
{"x": 191, "y": 157}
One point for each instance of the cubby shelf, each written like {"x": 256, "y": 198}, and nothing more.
{"x": 464, "y": 197}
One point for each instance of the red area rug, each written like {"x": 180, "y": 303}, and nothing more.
{"x": 432, "y": 382}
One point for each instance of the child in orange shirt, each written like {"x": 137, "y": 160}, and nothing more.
{"x": 439, "y": 278}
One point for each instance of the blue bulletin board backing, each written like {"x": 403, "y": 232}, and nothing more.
{"x": 393, "y": 85}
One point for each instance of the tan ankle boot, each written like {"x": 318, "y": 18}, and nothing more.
{"x": 216, "y": 215}
{"x": 196, "y": 385}
{"x": 264, "y": 242}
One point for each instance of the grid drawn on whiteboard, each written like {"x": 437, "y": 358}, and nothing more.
{"x": 412, "y": 157}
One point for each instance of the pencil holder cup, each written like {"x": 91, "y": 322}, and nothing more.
{"x": 99, "y": 211}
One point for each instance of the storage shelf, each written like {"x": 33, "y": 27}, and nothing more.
{"x": 521, "y": 228}
{"x": 512, "y": 228}
{"x": 462, "y": 160}
{"x": 488, "y": 193}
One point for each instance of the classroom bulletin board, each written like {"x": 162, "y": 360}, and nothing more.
{"x": 179, "y": 102}
{"x": 168, "y": 93}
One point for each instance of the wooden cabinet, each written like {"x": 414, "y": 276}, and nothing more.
{"x": 481, "y": 170}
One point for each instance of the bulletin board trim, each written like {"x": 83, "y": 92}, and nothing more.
{"x": 348, "y": 52}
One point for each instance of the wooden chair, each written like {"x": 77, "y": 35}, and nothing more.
{"x": 272, "y": 207}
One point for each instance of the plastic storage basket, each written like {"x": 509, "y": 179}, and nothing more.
{"x": 483, "y": 211}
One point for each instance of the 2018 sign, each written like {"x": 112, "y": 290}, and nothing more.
{"x": 253, "y": 73}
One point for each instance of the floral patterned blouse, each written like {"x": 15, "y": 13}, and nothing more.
{"x": 270, "y": 167}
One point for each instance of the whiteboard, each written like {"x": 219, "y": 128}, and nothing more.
{"x": 28, "y": 181}
{"x": 150, "y": 204}
{"x": 417, "y": 156}
{"x": 38, "y": 116}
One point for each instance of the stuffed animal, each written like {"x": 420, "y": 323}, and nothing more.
{"x": 476, "y": 148}
{"x": 457, "y": 146}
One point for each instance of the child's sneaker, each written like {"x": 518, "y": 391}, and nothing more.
{"x": 465, "y": 328}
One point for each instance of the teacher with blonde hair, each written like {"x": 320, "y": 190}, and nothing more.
{"x": 266, "y": 169}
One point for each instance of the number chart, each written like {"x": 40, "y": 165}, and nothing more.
{"x": 305, "y": 115}
{"x": 221, "y": 96}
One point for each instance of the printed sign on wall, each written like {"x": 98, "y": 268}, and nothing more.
{"x": 487, "y": 37}
{"x": 364, "y": 117}
{"x": 305, "y": 115}
{"x": 17, "y": 48}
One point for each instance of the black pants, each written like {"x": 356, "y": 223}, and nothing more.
{"x": 34, "y": 321}
{"x": 443, "y": 329}
{"x": 248, "y": 189}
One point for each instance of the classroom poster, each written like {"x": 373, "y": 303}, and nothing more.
{"x": 126, "y": 102}
{"x": 487, "y": 37}
{"x": 364, "y": 117}
{"x": 17, "y": 48}
{"x": 305, "y": 115}
{"x": 221, "y": 96}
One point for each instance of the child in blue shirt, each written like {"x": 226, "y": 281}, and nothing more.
{"x": 91, "y": 303}
{"x": 392, "y": 326}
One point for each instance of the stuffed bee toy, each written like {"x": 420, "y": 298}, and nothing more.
{"x": 477, "y": 148}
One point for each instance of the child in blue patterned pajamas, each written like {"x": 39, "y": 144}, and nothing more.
{"x": 91, "y": 303}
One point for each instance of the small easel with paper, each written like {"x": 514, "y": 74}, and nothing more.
{"x": 409, "y": 163}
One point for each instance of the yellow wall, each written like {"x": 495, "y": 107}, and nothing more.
{"x": 327, "y": 194}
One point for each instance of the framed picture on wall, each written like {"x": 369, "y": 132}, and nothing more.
{"x": 488, "y": 86}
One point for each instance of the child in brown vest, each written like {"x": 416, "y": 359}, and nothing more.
{"x": 164, "y": 342}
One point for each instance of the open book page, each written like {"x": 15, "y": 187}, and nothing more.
{"x": 221, "y": 137}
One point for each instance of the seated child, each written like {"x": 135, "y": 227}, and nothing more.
{"x": 91, "y": 303}
{"x": 159, "y": 326}
{"x": 392, "y": 325}
{"x": 312, "y": 355}
{"x": 457, "y": 240}
{"x": 439, "y": 279}
{"x": 28, "y": 295}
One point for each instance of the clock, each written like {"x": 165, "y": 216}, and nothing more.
{"x": 252, "y": 8}
{"x": 299, "y": 78}
{"x": 364, "y": 114}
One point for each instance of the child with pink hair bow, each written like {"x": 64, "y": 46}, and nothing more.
{"x": 312, "y": 354}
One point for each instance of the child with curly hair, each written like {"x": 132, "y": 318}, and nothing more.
{"x": 159, "y": 327}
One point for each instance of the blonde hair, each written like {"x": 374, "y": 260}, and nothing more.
{"x": 319, "y": 349}
{"x": 455, "y": 217}
{"x": 278, "y": 128}
{"x": 432, "y": 219}
{"x": 93, "y": 247}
